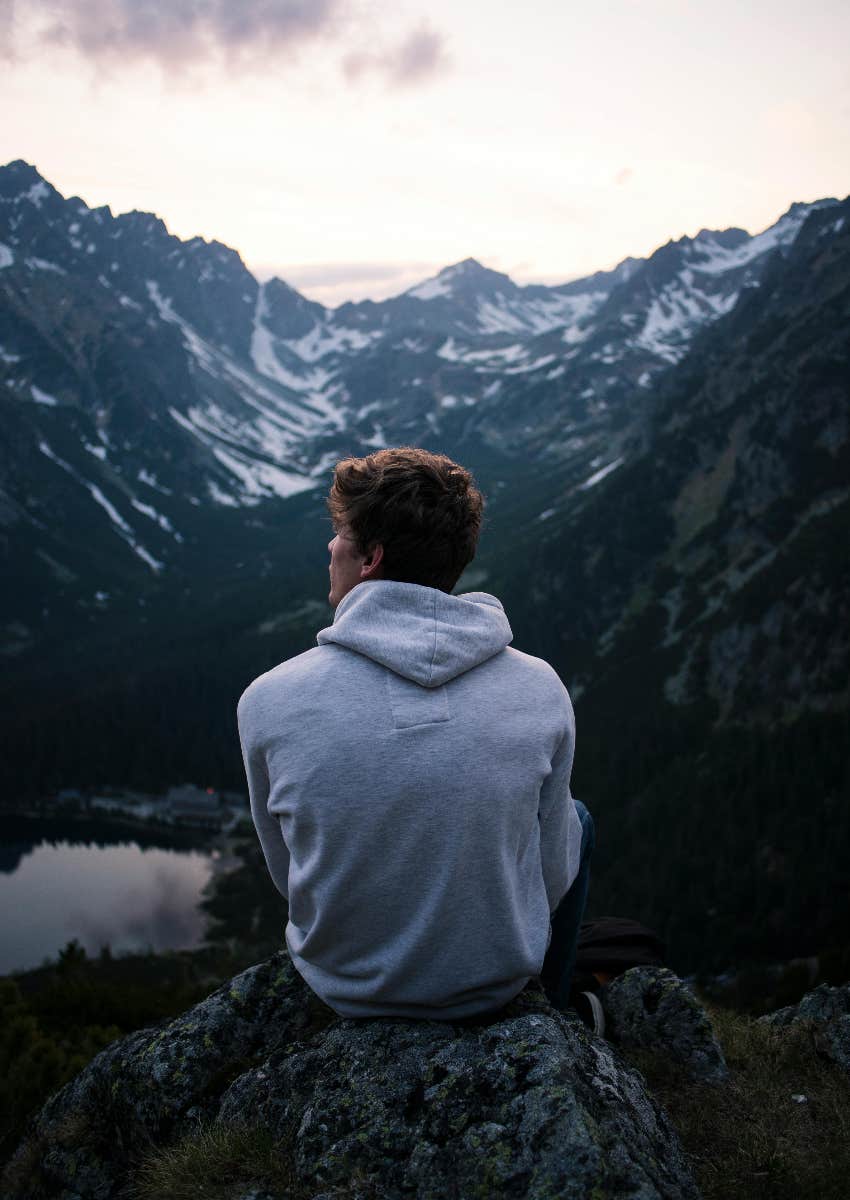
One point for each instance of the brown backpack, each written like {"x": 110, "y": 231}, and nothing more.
{"x": 608, "y": 946}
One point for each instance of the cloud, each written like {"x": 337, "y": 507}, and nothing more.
{"x": 313, "y": 274}
{"x": 335, "y": 283}
{"x": 181, "y": 34}
{"x": 175, "y": 32}
{"x": 7, "y": 12}
{"x": 420, "y": 55}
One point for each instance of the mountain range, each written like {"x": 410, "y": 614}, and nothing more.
{"x": 663, "y": 446}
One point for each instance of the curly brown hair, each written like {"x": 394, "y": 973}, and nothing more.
{"x": 424, "y": 509}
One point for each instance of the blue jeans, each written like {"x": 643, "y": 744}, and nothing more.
{"x": 566, "y": 919}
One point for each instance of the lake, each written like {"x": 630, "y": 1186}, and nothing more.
{"x": 64, "y": 880}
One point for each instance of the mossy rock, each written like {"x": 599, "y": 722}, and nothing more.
{"x": 523, "y": 1103}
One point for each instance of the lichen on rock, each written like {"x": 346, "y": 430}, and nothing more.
{"x": 522, "y": 1103}
{"x": 651, "y": 1008}
{"x": 827, "y": 1011}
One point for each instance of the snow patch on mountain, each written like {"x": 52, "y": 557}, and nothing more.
{"x": 284, "y": 421}
{"x": 148, "y": 478}
{"x": 163, "y": 305}
{"x": 714, "y": 259}
{"x": 677, "y": 312}
{"x": 262, "y": 348}
{"x": 575, "y": 334}
{"x": 536, "y": 365}
{"x": 36, "y": 194}
{"x": 539, "y": 315}
{"x": 331, "y": 339}
{"x": 261, "y": 479}
{"x": 599, "y": 475}
{"x": 225, "y": 437}
{"x": 122, "y": 527}
{"x": 41, "y": 264}
{"x": 41, "y": 397}
{"x": 496, "y": 357}
{"x": 430, "y": 289}
{"x": 265, "y": 359}
{"x": 494, "y": 316}
{"x": 220, "y": 497}
{"x": 149, "y": 511}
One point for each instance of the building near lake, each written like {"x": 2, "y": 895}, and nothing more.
{"x": 191, "y": 805}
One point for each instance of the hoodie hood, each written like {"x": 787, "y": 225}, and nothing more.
{"x": 422, "y": 634}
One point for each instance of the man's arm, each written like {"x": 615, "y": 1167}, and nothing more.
{"x": 560, "y": 827}
{"x": 268, "y": 827}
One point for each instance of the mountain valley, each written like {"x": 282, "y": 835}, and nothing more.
{"x": 664, "y": 449}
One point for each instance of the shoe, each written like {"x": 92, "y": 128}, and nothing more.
{"x": 589, "y": 1008}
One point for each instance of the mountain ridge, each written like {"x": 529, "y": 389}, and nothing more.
{"x": 156, "y": 383}
{"x": 21, "y": 167}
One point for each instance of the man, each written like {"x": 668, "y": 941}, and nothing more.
{"x": 409, "y": 776}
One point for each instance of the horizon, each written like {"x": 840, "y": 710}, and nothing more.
{"x": 265, "y": 274}
{"x": 356, "y": 150}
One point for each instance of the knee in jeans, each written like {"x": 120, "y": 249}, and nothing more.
{"x": 588, "y": 829}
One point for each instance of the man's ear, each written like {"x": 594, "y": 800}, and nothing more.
{"x": 372, "y": 565}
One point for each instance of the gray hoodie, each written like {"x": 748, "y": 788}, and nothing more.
{"x": 409, "y": 782}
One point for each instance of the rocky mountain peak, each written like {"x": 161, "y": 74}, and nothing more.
{"x": 464, "y": 281}
{"x": 142, "y": 222}
{"x": 288, "y": 313}
{"x": 727, "y": 238}
{"x": 802, "y": 208}
{"x": 22, "y": 188}
{"x": 470, "y": 268}
{"x": 17, "y": 177}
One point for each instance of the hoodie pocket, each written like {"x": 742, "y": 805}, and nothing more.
{"x": 412, "y": 704}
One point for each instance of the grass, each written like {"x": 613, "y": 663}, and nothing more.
{"x": 751, "y": 1139}
{"x": 212, "y": 1163}
{"x": 217, "y": 1162}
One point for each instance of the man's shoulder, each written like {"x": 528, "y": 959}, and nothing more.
{"x": 304, "y": 670}
{"x": 536, "y": 668}
{"x": 538, "y": 675}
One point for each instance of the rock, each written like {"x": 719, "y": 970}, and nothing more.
{"x": 149, "y": 1087}
{"x": 523, "y": 1103}
{"x": 827, "y": 1011}
{"x": 651, "y": 1008}
{"x": 823, "y": 1004}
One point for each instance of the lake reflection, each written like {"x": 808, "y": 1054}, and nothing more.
{"x": 122, "y": 895}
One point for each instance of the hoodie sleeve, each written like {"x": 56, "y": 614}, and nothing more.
{"x": 268, "y": 828}
{"x": 560, "y": 827}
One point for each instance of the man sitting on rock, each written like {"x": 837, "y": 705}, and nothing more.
{"x": 410, "y": 775}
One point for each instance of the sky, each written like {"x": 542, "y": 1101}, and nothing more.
{"x": 354, "y": 147}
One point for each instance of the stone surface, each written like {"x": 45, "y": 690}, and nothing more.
{"x": 153, "y": 1085}
{"x": 651, "y": 1008}
{"x": 827, "y": 1010}
{"x": 524, "y": 1103}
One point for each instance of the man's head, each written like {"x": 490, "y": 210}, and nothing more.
{"x": 402, "y": 514}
